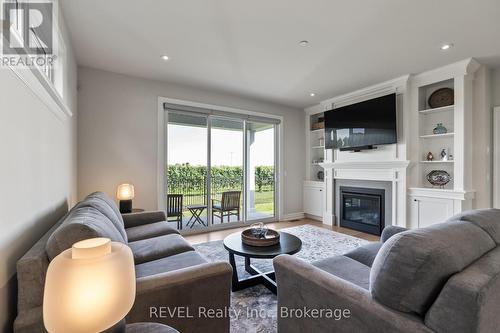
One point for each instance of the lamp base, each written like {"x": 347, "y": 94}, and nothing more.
{"x": 125, "y": 206}
{"x": 119, "y": 327}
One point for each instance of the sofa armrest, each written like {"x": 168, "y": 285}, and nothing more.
{"x": 30, "y": 321}
{"x": 303, "y": 286}
{"x": 390, "y": 231}
{"x": 136, "y": 219}
{"x": 180, "y": 298}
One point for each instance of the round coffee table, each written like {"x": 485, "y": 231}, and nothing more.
{"x": 289, "y": 244}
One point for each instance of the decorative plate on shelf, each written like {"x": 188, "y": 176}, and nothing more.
{"x": 441, "y": 97}
{"x": 438, "y": 178}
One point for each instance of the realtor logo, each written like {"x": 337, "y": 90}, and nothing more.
{"x": 27, "y": 28}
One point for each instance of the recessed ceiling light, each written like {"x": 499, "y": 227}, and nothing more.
{"x": 446, "y": 46}
{"x": 304, "y": 43}
{"x": 165, "y": 57}
{"x": 312, "y": 94}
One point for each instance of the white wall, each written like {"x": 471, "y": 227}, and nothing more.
{"x": 37, "y": 173}
{"x": 496, "y": 87}
{"x": 117, "y": 134}
{"x": 482, "y": 117}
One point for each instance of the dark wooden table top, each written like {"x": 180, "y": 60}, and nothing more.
{"x": 289, "y": 244}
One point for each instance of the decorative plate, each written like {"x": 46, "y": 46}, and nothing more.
{"x": 271, "y": 237}
{"x": 438, "y": 178}
{"x": 441, "y": 97}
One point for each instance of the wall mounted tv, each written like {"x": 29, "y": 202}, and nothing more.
{"x": 362, "y": 125}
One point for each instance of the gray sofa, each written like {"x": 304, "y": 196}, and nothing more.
{"x": 169, "y": 272}
{"x": 443, "y": 278}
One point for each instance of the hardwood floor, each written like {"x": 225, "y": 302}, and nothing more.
{"x": 221, "y": 234}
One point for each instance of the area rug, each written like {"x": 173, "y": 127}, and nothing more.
{"x": 254, "y": 308}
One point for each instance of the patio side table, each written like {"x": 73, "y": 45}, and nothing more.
{"x": 196, "y": 211}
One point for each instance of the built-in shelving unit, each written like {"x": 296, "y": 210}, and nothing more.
{"x": 428, "y": 204}
{"x": 316, "y": 146}
{"x": 431, "y": 142}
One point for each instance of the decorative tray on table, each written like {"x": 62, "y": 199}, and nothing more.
{"x": 260, "y": 235}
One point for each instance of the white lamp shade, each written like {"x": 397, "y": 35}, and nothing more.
{"x": 125, "y": 192}
{"x": 89, "y": 288}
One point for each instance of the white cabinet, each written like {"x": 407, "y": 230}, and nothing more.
{"x": 430, "y": 206}
{"x": 426, "y": 211}
{"x": 313, "y": 198}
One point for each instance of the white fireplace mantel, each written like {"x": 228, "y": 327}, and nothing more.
{"x": 396, "y": 164}
{"x": 393, "y": 171}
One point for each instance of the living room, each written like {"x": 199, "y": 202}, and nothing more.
{"x": 279, "y": 166}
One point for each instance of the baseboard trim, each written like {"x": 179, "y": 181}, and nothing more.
{"x": 292, "y": 216}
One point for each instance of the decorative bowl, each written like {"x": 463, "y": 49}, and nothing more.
{"x": 441, "y": 97}
{"x": 438, "y": 178}
{"x": 272, "y": 237}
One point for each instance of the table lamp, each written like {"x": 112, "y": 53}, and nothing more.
{"x": 125, "y": 193}
{"x": 89, "y": 288}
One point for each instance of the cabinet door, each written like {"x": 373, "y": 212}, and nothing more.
{"x": 313, "y": 201}
{"x": 426, "y": 211}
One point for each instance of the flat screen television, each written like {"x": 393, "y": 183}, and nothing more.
{"x": 362, "y": 125}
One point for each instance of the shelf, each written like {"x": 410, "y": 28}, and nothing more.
{"x": 318, "y": 147}
{"x": 436, "y": 162}
{"x": 318, "y": 130}
{"x": 431, "y": 136}
{"x": 437, "y": 110}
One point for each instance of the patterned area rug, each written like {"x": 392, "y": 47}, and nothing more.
{"x": 255, "y": 308}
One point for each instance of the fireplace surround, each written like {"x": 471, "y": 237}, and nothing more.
{"x": 362, "y": 209}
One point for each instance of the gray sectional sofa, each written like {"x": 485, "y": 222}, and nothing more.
{"x": 170, "y": 273}
{"x": 443, "y": 278}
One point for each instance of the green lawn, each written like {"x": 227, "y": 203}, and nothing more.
{"x": 264, "y": 202}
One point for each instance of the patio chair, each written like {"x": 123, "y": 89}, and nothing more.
{"x": 174, "y": 209}
{"x": 228, "y": 206}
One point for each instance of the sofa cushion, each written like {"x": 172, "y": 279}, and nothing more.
{"x": 168, "y": 264}
{"x": 486, "y": 219}
{"x": 81, "y": 223}
{"x": 158, "y": 247}
{"x": 412, "y": 267}
{"x": 347, "y": 269}
{"x": 107, "y": 207}
{"x": 365, "y": 254}
{"x": 149, "y": 231}
{"x": 469, "y": 301}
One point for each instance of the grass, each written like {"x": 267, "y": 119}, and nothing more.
{"x": 264, "y": 202}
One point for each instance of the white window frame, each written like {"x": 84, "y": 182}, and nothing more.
{"x": 162, "y": 148}
{"x": 47, "y": 83}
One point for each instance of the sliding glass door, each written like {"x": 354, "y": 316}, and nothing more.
{"x": 221, "y": 170}
{"x": 187, "y": 171}
{"x": 226, "y": 170}
{"x": 261, "y": 160}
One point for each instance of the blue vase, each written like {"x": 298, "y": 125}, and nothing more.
{"x": 440, "y": 129}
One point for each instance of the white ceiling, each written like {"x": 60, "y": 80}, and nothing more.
{"x": 251, "y": 48}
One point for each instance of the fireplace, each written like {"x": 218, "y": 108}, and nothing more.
{"x": 362, "y": 209}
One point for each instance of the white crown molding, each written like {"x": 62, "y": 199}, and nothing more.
{"x": 461, "y": 68}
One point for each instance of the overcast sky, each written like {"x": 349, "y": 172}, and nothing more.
{"x": 189, "y": 144}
